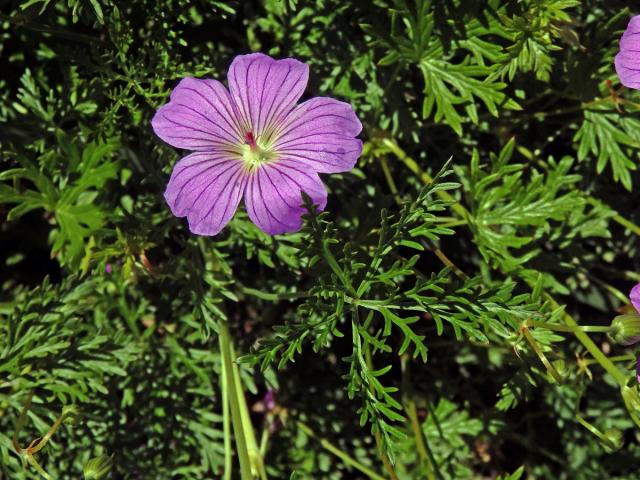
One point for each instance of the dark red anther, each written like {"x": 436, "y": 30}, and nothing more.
{"x": 250, "y": 139}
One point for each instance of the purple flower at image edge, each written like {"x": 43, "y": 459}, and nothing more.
{"x": 634, "y": 296}
{"x": 627, "y": 61}
{"x": 253, "y": 141}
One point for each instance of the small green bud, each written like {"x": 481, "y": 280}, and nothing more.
{"x": 625, "y": 329}
{"x": 97, "y": 467}
{"x": 612, "y": 440}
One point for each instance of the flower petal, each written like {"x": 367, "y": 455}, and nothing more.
{"x": 320, "y": 133}
{"x": 264, "y": 89}
{"x": 206, "y": 187}
{"x": 635, "y": 297}
{"x": 200, "y": 116}
{"x": 627, "y": 61}
{"x": 274, "y": 196}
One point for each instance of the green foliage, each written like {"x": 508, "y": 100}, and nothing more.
{"x": 67, "y": 191}
{"x": 609, "y": 136}
{"x": 427, "y": 324}
{"x": 447, "y": 85}
{"x": 534, "y": 28}
{"x": 512, "y": 216}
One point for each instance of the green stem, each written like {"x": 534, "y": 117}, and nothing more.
{"x": 264, "y": 439}
{"x": 226, "y": 425}
{"x": 236, "y": 418}
{"x": 595, "y": 431}
{"x": 22, "y": 419}
{"x": 347, "y": 459}
{"x": 34, "y": 463}
{"x": 26, "y": 454}
{"x": 424, "y": 454}
{"x": 619, "y": 358}
{"x": 44, "y": 440}
{"x": 569, "y": 329}
{"x": 387, "y": 175}
{"x": 273, "y": 297}
{"x": 251, "y": 464}
{"x": 255, "y": 459}
{"x": 627, "y": 224}
{"x": 446, "y": 260}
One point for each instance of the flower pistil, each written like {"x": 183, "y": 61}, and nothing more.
{"x": 254, "y": 153}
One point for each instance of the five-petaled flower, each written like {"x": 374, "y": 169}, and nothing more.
{"x": 254, "y": 141}
{"x": 628, "y": 59}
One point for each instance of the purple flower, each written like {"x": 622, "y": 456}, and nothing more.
{"x": 254, "y": 141}
{"x": 628, "y": 59}
{"x": 269, "y": 400}
{"x": 634, "y": 295}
